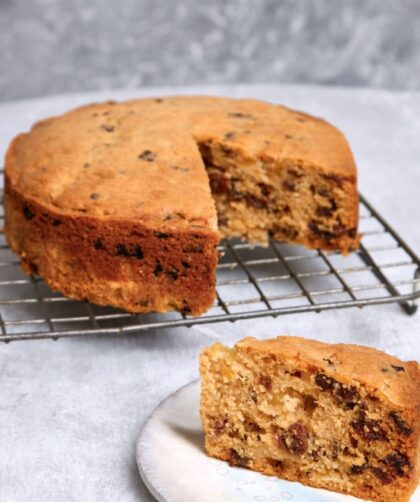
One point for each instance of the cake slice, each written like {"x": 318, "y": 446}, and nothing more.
{"x": 340, "y": 417}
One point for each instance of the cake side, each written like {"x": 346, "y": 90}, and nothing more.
{"x": 122, "y": 263}
{"x": 305, "y": 418}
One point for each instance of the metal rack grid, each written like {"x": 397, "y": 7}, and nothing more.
{"x": 252, "y": 282}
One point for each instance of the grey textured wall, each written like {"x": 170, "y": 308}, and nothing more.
{"x": 54, "y": 46}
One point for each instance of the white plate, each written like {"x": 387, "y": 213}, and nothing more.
{"x": 174, "y": 467}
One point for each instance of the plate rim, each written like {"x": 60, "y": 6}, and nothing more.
{"x": 158, "y": 496}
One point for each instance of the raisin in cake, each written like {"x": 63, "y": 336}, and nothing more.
{"x": 341, "y": 417}
{"x": 115, "y": 203}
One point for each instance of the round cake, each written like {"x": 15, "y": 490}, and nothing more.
{"x": 124, "y": 204}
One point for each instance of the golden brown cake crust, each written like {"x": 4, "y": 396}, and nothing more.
{"x": 387, "y": 376}
{"x": 65, "y": 159}
{"x": 119, "y": 174}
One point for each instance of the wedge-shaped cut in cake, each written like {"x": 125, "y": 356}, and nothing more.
{"x": 118, "y": 203}
{"x": 340, "y": 417}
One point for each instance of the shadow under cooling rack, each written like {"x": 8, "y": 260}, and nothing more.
{"x": 253, "y": 282}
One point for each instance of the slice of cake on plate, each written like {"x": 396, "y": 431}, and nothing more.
{"x": 340, "y": 417}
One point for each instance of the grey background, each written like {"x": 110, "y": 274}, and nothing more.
{"x": 56, "y": 46}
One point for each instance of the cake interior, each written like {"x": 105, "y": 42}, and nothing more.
{"x": 295, "y": 422}
{"x": 284, "y": 199}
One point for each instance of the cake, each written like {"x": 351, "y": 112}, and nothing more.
{"x": 341, "y": 417}
{"x": 124, "y": 204}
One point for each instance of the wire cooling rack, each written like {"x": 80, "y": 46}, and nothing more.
{"x": 252, "y": 282}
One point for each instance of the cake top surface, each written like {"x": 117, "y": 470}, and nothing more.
{"x": 140, "y": 159}
{"x": 397, "y": 381}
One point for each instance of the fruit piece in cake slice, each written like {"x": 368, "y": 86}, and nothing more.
{"x": 340, "y": 417}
